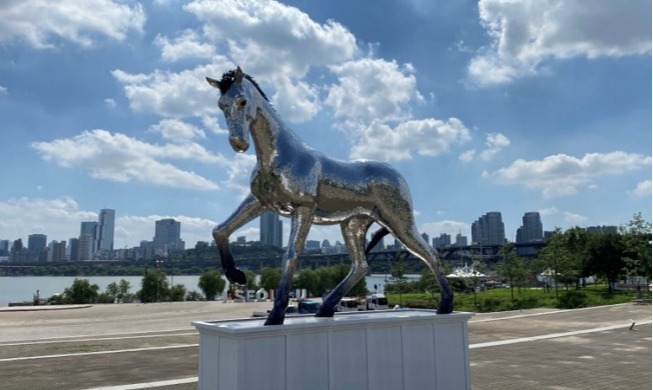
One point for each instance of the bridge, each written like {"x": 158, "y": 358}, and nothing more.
{"x": 379, "y": 261}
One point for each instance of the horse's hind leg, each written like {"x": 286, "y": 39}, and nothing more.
{"x": 353, "y": 232}
{"x": 249, "y": 209}
{"x": 410, "y": 238}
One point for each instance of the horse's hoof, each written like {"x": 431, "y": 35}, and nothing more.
{"x": 324, "y": 313}
{"x": 235, "y": 275}
{"x": 445, "y": 306}
{"x": 273, "y": 321}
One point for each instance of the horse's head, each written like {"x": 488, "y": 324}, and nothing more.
{"x": 239, "y": 97}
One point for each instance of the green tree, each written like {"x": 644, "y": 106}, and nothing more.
{"x": 177, "y": 293}
{"x": 270, "y": 278}
{"x": 555, "y": 260}
{"x": 339, "y": 272}
{"x": 211, "y": 283}
{"x": 81, "y": 291}
{"x": 251, "y": 280}
{"x": 154, "y": 285}
{"x": 606, "y": 253}
{"x": 307, "y": 278}
{"x": 398, "y": 272}
{"x": 428, "y": 283}
{"x": 637, "y": 248}
{"x": 512, "y": 268}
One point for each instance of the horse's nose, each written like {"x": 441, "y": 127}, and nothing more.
{"x": 239, "y": 144}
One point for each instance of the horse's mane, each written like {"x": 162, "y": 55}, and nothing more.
{"x": 228, "y": 80}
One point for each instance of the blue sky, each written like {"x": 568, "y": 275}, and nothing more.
{"x": 483, "y": 106}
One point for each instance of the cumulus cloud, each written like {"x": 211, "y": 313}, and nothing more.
{"x": 494, "y": 143}
{"x": 177, "y": 131}
{"x": 426, "y": 137}
{"x": 187, "y": 44}
{"x": 643, "y": 188}
{"x": 373, "y": 89}
{"x": 560, "y": 174}
{"x": 78, "y": 21}
{"x": 452, "y": 228}
{"x": 255, "y": 32}
{"x": 525, "y": 34}
{"x": 174, "y": 95}
{"x": 280, "y": 31}
{"x": 118, "y": 157}
{"x": 20, "y": 217}
{"x": 137, "y": 227}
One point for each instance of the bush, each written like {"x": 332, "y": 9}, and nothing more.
{"x": 572, "y": 299}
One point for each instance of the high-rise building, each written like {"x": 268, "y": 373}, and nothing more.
{"x": 106, "y": 227}
{"x": 167, "y": 236}
{"x": 461, "y": 240}
{"x": 489, "y": 230}
{"x": 442, "y": 241}
{"x": 36, "y": 242}
{"x": 4, "y": 247}
{"x": 531, "y": 228}
{"x": 271, "y": 229}
{"x": 85, "y": 251}
{"x": 90, "y": 228}
{"x": 73, "y": 247}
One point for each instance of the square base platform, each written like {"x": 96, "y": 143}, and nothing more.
{"x": 392, "y": 349}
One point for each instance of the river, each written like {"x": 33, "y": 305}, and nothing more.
{"x": 24, "y": 288}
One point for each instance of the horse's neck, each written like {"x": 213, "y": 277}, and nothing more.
{"x": 271, "y": 136}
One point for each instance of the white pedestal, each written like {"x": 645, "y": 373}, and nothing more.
{"x": 375, "y": 350}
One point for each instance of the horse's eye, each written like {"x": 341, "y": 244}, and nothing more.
{"x": 243, "y": 103}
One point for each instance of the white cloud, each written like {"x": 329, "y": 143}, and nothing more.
{"x": 135, "y": 227}
{"x": 110, "y": 103}
{"x": 286, "y": 38}
{"x": 175, "y": 95}
{"x": 121, "y": 158}
{"x": 3, "y": 90}
{"x": 187, "y": 44}
{"x": 560, "y": 175}
{"x": 79, "y": 21}
{"x": 452, "y": 228}
{"x": 494, "y": 143}
{"x": 573, "y": 218}
{"x": 426, "y": 137}
{"x": 177, "y": 131}
{"x": 370, "y": 89}
{"x": 525, "y": 34}
{"x": 24, "y": 216}
{"x": 276, "y": 43}
{"x": 643, "y": 188}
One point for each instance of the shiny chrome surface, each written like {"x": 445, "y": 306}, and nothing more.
{"x": 295, "y": 180}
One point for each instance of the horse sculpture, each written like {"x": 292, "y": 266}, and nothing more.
{"x": 294, "y": 180}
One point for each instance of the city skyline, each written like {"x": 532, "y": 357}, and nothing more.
{"x": 481, "y": 105}
{"x": 167, "y": 234}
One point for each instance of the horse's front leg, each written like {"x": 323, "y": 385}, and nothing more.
{"x": 249, "y": 209}
{"x": 300, "y": 223}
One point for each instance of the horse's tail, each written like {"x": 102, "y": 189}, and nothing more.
{"x": 376, "y": 237}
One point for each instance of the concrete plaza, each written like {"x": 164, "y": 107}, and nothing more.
{"x": 135, "y": 346}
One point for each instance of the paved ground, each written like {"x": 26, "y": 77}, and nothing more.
{"x": 142, "y": 346}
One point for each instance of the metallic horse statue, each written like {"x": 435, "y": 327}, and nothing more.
{"x": 294, "y": 180}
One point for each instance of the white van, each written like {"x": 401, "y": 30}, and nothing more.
{"x": 376, "y": 302}
{"x": 347, "y": 304}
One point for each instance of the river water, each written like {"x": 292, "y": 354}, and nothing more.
{"x": 24, "y": 288}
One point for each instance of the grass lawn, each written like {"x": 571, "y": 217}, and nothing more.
{"x": 500, "y": 299}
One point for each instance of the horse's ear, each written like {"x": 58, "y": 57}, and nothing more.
{"x": 214, "y": 83}
{"x": 238, "y": 76}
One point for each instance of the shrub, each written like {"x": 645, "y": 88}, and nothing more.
{"x": 572, "y": 299}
